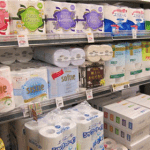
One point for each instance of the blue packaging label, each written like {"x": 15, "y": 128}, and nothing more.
{"x": 33, "y": 89}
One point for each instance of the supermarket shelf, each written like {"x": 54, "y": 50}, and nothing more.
{"x": 69, "y": 100}
{"x": 49, "y": 39}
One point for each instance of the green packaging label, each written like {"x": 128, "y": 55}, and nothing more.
{"x": 135, "y": 72}
{"x": 117, "y": 76}
{"x": 147, "y": 69}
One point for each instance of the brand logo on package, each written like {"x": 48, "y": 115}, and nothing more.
{"x": 5, "y": 91}
{"x": 57, "y": 74}
{"x": 120, "y": 13}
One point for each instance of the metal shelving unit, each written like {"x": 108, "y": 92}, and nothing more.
{"x": 69, "y": 100}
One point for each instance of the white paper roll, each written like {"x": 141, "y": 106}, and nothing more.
{"x": 7, "y": 56}
{"x": 70, "y": 133}
{"x": 57, "y": 56}
{"x": 49, "y": 138}
{"x": 119, "y": 147}
{"x": 92, "y": 53}
{"x": 6, "y": 90}
{"x": 120, "y": 80}
{"x": 84, "y": 141}
{"x": 77, "y": 56}
{"x": 32, "y": 133}
{"x": 106, "y": 52}
{"x": 109, "y": 143}
{"x": 24, "y": 54}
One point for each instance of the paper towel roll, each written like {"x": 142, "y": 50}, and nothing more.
{"x": 106, "y": 52}
{"x": 24, "y": 54}
{"x": 119, "y": 147}
{"x": 49, "y": 138}
{"x": 109, "y": 143}
{"x": 7, "y": 102}
{"x": 77, "y": 56}
{"x": 84, "y": 141}
{"x": 32, "y": 133}
{"x": 56, "y": 56}
{"x": 92, "y": 53}
{"x": 7, "y": 56}
{"x": 70, "y": 133}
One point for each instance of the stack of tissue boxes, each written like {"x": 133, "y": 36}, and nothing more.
{"x": 146, "y": 58}
{"x": 133, "y": 61}
{"x": 128, "y": 123}
{"x": 115, "y": 68}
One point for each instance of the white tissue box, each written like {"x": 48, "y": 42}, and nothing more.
{"x": 127, "y": 115}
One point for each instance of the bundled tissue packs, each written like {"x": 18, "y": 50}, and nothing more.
{"x": 61, "y": 17}
{"x": 127, "y": 116}
{"x": 29, "y": 85}
{"x": 27, "y": 17}
{"x": 7, "y": 102}
{"x": 4, "y": 18}
{"x": 115, "y": 18}
{"x": 90, "y": 18}
{"x": 115, "y": 68}
{"x": 136, "y": 19}
{"x": 133, "y": 60}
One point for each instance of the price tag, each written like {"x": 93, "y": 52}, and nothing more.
{"x": 59, "y": 102}
{"x": 25, "y": 110}
{"x": 38, "y": 108}
{"x": 2, "y": 145}
{"x": 34, "y": 115}
{"x": 23, "y": 41}
{"x": 120, "y": 86}
{"x": 134, "y": 34}
{"x": 31, "y": 106}
{"x": 90, "y": 37}
{"x": 89, "y": 94}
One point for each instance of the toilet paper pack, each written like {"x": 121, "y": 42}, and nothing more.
{"x": 115, "y": 18}
{"x": 61, "y": 17}
{"x": 62, "y": 81}
{"x": 4, "y": 27}
{"x": 27, "y": 17}
{"x": 136, "y": 19}
{"x": 129, "y": 116}
{"x": 90, "y": 18}
{"x": 7, "y": 102}
{"x": 30, "y": 85}
{"x": 122, "y": 135}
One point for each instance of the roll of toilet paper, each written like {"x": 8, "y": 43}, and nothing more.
{"x": 84, "y": 140}
{"x": 70, "y": 133}
{"x": 49, "y": 138}
{"x": 109, "y": 143}
{"x": 138, "y": 65}
{"x": 7, "y": 102}
{"x": 106, "y": 52}
{"x": 32, "y": 133}
{"x": 57, "y": 56}
{"x": 77, "y": 56}
{"x": 119, "y": 147}
{"x": 92, "y": 53}
{"x": 7, "y": 56}
{"x": 130, "y": 66}
{"x": 120, "y": 80}
{"x": 24, "y": 54}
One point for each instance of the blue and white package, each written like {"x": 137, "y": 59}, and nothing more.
{"x": 90, "y": 18}
{"x": 115, "y": 18}
{"x": 136, "y": 19}
{"x": 61, "y": 17}
{"x": 62, "y": 81}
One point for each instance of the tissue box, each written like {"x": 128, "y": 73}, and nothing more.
{"x": 4, "y": 26}
{"x": 91, "y": 75}
{"x": 123, "y": 136}
{"x": 27, "y": 17}
{"x": 61, "y": 17}
{"x": 90, "y": 18}
{"x": 62, "y": 81}
{"x": 127, "y": 115}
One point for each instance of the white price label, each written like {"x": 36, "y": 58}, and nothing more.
{"x": 134, "y": 34}
{"x": 89, "y": 94}
{"x": 25, "y": 110}
{"x": 120, "y": 86}
{"x": 59, "y": 102}
{"x": 90, "y": 37}
{"x": 23, "y": 41}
